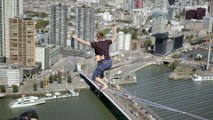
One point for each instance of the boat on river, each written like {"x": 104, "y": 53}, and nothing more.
{"x": 58, "y": 95}
{"x": 204, "y": 77}
{"x": 26, "y": 101}
{"x": 2, "y": 95}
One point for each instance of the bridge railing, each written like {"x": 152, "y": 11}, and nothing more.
{"x": 126, "y": 105}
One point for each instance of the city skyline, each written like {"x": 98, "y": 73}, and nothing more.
{"x": 161, "y": 54}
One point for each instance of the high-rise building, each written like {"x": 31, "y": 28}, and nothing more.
{"x": 113, "y": 47}
{"x": 120, "y": 41}
{"x": 195, "y": 13}
{"x": 123, "y": 41}
{"x": 159, "y": 16}
{"x": 58, "y": 21}
{"x": 8, "y": 9}
{"x": 161, "y": 4}
{"x": 207, "y": 23}
{"x": 210, "y": 8}
{"x": 159, "y": 21}
{"x": 84, "y": 27}
{"x": 22, "y": 42}
{"x": 178, "y": 41}
{"x": 171, "y": 2}
{"x": 114, "y": 3}
{"x": 161, "y": 43}
{"x": 138, "y": 4}
{"x": 127, "y": 41}
{"x": 128, "y": 5}
{"x": 42, "y": 56}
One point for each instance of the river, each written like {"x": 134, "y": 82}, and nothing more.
{"x": 153, "y": 85}
{"x": 185, "y": 95}
{"x": 84, "y": 107}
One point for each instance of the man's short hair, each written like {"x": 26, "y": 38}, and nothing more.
{"x": 100, "y": 34}
{"x": 27, "y": 115}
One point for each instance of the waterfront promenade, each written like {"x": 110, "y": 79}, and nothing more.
{"x": 128, "y": 66}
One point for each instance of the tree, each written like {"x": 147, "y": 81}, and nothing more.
{"x": 36, "y": 14}
{"x": 134, "y": 47}
{"x": 51, "y": 79}
{"x": 191, "y": 55}
{"x": 176, "y": 56}
{"x": 41, "y": 24}
{"x": 35, "y": 86}
{"x": 42, "y": 84}
{"x": 192, "y": 36}
{"x": 134, "y": 35}
{"x": 60, "y": 80}
{"x": 173, "y": 65}
{"x": 169, "y": 22}
{"x": 59, "y": 75}
{"x": 178, "y": 17}
{"x": 69, "y": 79}
{"x": 68, "y": 73}
{"x": 194, "y": 69}
{"x": 15, "y": 88}
{"x": 72, "y": 17}
{"x": 43, "y": 15}
{"x": 45, "y": 81}
{"x": 147, "y": 43}
{"x": 3, "y": 88}
{"x": 55, "y": 78}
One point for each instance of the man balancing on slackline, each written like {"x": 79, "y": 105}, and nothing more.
{"x": 101, "y": 48}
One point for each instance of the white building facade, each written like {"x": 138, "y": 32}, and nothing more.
{"x": 123, "y": 42}
{"x": 3, "y": 76}
{"x": 120, "y": 41}
{"x": 207, "y": 23}
{"x": 14, "y": 77}
{"x": 42, "y": 56}
{"x": 127, "y": 41}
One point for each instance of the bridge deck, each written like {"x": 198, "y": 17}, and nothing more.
{"x": 128, "y": 108}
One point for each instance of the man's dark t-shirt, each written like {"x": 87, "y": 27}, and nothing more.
{"x": 102, "y": 48}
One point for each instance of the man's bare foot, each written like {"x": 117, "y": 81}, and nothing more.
{"x": 117, "y": 87}
{"x": 103, "y": 88}
{"x": 100, "y": 86}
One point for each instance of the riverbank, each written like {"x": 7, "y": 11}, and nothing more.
{"x": 17, "y": 95}
{"x": 51, "y": 88}
{"x": 128, "y": 72}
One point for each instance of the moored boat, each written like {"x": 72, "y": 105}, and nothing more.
{"x": 204, "y": 77}
{"x": 26, "y": 101}
{"x": 2, "y": 95}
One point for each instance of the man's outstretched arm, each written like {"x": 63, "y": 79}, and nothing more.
{"x": 81, "y": 41}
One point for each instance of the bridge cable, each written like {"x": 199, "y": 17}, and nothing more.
{"x": 153, "y": 104}
{"x": 150, "y": 103}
